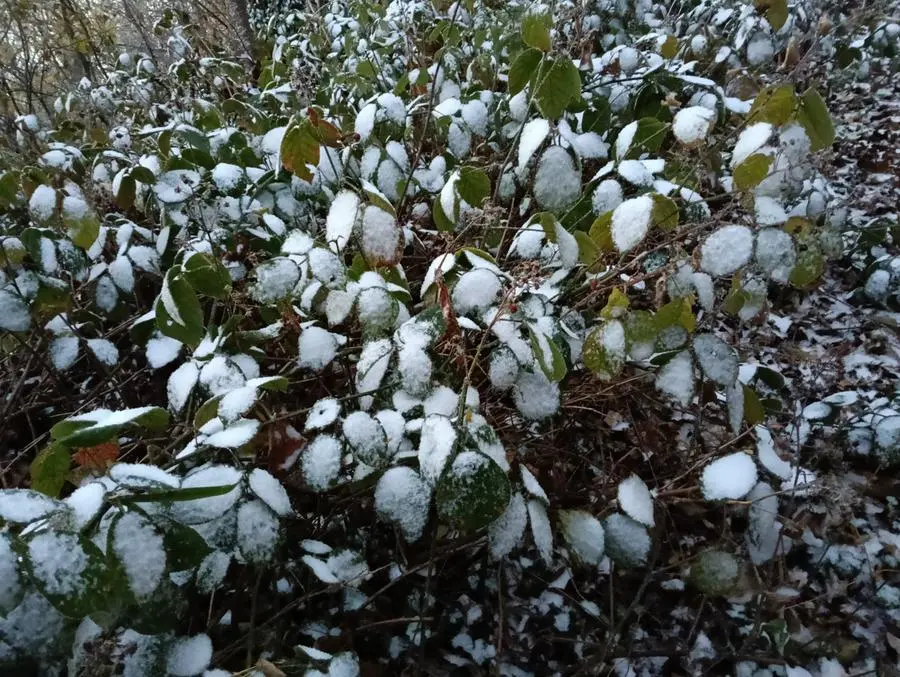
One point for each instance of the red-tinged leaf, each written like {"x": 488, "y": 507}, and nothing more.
{"x": 98, "y": 457}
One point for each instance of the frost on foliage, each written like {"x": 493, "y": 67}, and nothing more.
{"x": 557, "y": 183}
{"x": 607, "y": 196}
{"x": 371, "y": 368}
{"x": 533, "y": 134}
{"x": 635, "y": 500}
{"x": 692, "y": 124}
{"x": 436, "y": 443}
{"x": 189, "y": 656}
{"x": 730, "y": 477}
{"x": 536, "y": 397}
{"x": 763, "y": 529}
{"x": 58, "y": 562}
{"x": 715, "y": 572}
{"x": 541, "y": 530}
{"x": 627, "y": 541}
{"x": 630, "y": 222}
{"x": 726, "y": 250}
{"x": 584, "y": 534}
{"x": 366, "y": 438}
{"x": 341, "y": 220}
{"x": 205, "y": 509}
{"x": 257, "y": 532}
{"x": 317, "y": 348}
{"x": 10, "y": 585}
{"x": 21, "y": 506}
{"x": 751, "y": 140}
{"x": 676, "y": 378}
{"x": 775, "y": 254}
{"x": 507, "y": 531}
{"x": 321, "y": 462}
{"x": 139, "y": 547}
{"x": 718, "y": 360}
{"x": 403, "y": 497}
{"x": 270, "y": 491}
{"x": 475, "y": 290}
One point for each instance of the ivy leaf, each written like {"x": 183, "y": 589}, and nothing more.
{"x": 473, "y": 186}
{"x": 774, "y": 104}
{"x": 813, "y": 115}
{"x": 49, "y": 470}
{"x": 558, "y": 84}
{"x": 536, "y": 31}
{"x": 523, "y": 68}
{"x": 752, "y": 171}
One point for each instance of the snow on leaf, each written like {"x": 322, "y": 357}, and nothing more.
{"x": 436, "y": 443}
{"x": 321, "y": 462}
{"x": 718, "y": 360}
{"x": 557, "y": 182}
{"x": 533, "y": 134}
{"x": 729, "y": 477}
{"x": 635, "y": 500}
{"x": 627, "y": 541}
{"x": 322, "y": 414}
{"x": 403, "y": 497}
{"x": 506, "y": 532}
{"x": 24, "y": 505}
{"x": 584, "y": 534}
{"x": 630, "y": 222}
{"x": 257, "y": 532}
{"x": 541, "y": 530}
{"x": 139, "y": 547}
{"x": 726, "y": 250}
{"x": 189, "y": 656}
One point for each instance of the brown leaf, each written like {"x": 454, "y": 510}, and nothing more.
{"x": 98, "y": 457}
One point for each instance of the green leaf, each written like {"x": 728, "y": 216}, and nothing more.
{"x": 473, "y": 492}
{"x": 84, "y": 231}
{"x": 774, "y": 104}
{"x": 300, "y": 148}
{"x": 50, "y": 468}
{"x": 523, "y": 68}
{"x": 752, "y": 171}
{"x": 665, "y": 212}
{"x": 194, "y": 137}
{"x": 669, "y": 48}
{"x": 125, "y": 196}
{"x": 616, "y": 305}
{"x": 473, "y": 186}
{"x": 601, "y": 232}
{"x": 558, "y": 84}
{"x": 813, "y": 115}
{"x": 597, "y": 117}
{"x": 754, "y": 412}
{"x": 188, "y": 326}
{"x": 207, "y": 275}
{"x": 9, "y": 188}
{"x": 441, "y": 221}
{"x": 207, "y": 411}
{"x": 548, "y": 223}
{"x": 588, "y": 252}
{"x": 554, "y": 364}
{"x": 172, "y": 495}
{"x": 773, "y": 379}
{"x": 648, "y": 137}
{"x": 142, "y": 174}
{"x": 92, "y": 428}
{"x": 185, "y": 548}
{"x": 603, "y": 353}
{"x": 809, "y": 267}
{"x": 776, "y": 12}
{"x": 93, "y": 580}
{"x": 366, "y": 69}
{"x": 536, "y": 31}
{"x": 678, "y": 312}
